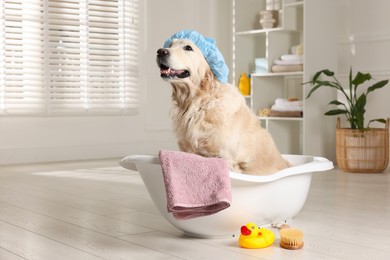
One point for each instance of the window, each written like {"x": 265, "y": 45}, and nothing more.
{"x": 65, "y": 57}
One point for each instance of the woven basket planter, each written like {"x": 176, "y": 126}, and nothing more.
{"x": 362, "y": 150}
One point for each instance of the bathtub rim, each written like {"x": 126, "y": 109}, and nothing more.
{"x": 310, "y": 164}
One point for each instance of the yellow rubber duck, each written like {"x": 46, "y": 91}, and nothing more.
{"x": 253, "y": 236}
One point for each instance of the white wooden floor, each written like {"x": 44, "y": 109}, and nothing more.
{"x": 97, "y": 210}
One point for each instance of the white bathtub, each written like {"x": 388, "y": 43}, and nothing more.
{"x": 261, "y": 199}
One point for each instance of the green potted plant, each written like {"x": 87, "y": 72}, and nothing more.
{"x": 358, "y": 148}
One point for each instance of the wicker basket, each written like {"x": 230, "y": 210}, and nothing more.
{"x": 362, "y": 150}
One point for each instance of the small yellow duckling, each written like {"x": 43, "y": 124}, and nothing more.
{"x": 253, "y": 236}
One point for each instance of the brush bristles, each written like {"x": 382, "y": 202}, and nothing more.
{"x": 291, "y": 238}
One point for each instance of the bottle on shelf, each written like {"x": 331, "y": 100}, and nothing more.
{"x": 244, "y": 85}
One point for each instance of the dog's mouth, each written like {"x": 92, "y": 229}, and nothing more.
{"x": 167, "y": 72}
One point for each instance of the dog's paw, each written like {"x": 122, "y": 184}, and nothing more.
{"x": 243, "y": 166}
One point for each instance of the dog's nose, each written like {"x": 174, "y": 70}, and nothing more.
{"x": 162, "y": 52}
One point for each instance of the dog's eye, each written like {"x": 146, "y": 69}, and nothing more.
{"x": 188, "y": 48}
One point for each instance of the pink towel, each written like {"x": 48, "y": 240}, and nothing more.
{"x": 196, "y": 186}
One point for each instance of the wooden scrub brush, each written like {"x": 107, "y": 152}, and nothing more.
{"x": 291, "y": 238}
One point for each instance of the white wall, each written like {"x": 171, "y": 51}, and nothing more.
{"x": 320, "y": 48}
{"x": 365, "y": 46}
{"x": 38, "y": 139}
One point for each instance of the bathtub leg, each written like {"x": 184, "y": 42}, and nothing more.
{"x": 282, "y": 224}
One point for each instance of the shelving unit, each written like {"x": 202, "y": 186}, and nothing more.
{"x": 300, "y": 23}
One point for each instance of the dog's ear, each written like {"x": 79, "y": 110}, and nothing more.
{"x": 207, "y": 82}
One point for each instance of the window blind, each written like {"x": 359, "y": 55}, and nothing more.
{"x": 68, "y": 57}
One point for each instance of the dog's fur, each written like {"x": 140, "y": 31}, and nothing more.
{"x": 212, "y": 119}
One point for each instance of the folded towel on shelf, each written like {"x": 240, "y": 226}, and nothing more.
{"x": 287, "y": 68}
{"x": 196, "y": 186}
{"x": 289, "y": 59}
{"x": 287, "y": 62}
{"x": 284, "y": 105}
{"x": 261, "y": 65}
{"x": 286, "y": 113}
{"x": 292, "y": 57}
{"x": 288, "y": 103}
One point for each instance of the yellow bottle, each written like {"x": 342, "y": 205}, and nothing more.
{"x": 244, "y": 85}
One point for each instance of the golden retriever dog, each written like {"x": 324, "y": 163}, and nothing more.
{"x": 212, "y": 119}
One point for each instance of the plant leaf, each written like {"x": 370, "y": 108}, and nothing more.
{"x": 359, "y": 110}
{"x": 350, "y": 83}
{"x": 380, "y": 120}
{"x": 325, "y": 71}
{"x": 361, "y": 103}
{"x": 336, "y": 112}
{"x": 360, "y": 78}
{"x": 336, "y": 102}
{"x": 322, "y": 83}
{"x": 316, "y": 76}
{"x": 377, "y": 85}
{"x": 328, "y": 73}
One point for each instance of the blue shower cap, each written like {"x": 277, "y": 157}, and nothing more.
{"x": 210, "y": 51}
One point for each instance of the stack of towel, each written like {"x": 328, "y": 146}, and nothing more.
{"x": 289, "y": 62}
{"x": 291, "y": 107}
